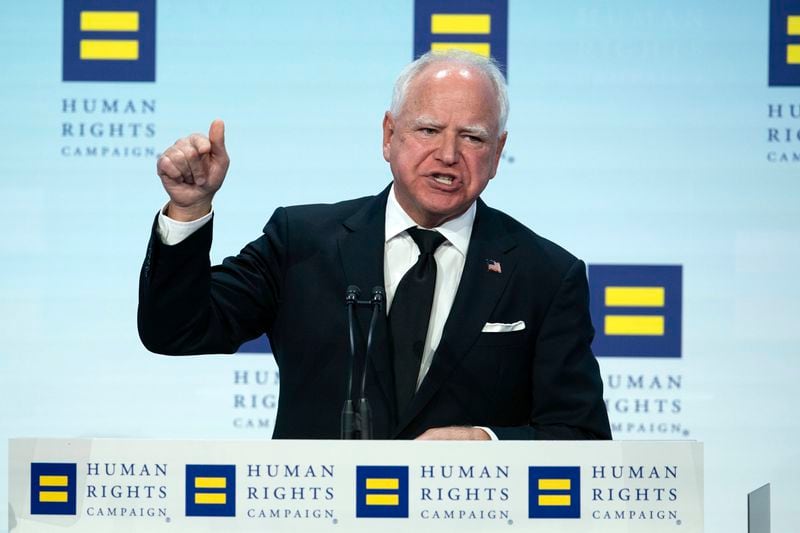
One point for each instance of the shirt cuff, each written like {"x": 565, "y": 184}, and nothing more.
{"x": 488, "y": 432}
{"x": 173, "y": 232}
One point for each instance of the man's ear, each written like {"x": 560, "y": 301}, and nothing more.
{"x": 501, "y": 142}
{"x": 388, "y": 133}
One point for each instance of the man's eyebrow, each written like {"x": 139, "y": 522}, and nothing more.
{"x": 478, "y": 131}
{"x": 430, "y": 122}
{"x": 426, "y": 122}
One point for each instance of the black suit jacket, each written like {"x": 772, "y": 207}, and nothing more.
{"x": 539, "y": 383}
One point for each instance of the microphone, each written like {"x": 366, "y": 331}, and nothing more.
{"x": 378, "y": 295}
{"x": 348, "y": 422}
{"x": 352, "y": 294}
{"x": 364, "y": 413}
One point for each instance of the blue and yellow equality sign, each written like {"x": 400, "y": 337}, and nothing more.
{"x": 636, "y": 310}
{"x": 784, "y": 43}
{"x": 53, "y": 488}
{"x": 479, "y": 26}
{"x": 109, "y": 40}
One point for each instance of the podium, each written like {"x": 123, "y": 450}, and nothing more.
{"x": 104, "y": 485}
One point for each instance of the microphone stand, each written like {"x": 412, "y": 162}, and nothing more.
{"x": 357, "y": 423}
{"x": 348, "y": 423}
{"x": 364, "y": 415}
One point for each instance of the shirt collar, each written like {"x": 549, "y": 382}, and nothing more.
{"x": 457, "y": 231}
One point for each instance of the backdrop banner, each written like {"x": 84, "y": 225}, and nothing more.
{"x": 657, "y": 141}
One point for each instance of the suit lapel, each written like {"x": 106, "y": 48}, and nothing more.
{"x": 476, "y": 297}
{"x": 362, "y": 250}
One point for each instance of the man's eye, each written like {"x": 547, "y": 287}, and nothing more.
{"x": 474, "y": 139}
{"x": 428, "y": 131}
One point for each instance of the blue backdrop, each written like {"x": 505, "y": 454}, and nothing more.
{"x": 644, "y": 136}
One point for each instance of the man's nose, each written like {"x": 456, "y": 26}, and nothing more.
{"x": 447, "y": 152}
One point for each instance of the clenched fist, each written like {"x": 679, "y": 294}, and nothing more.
{"x": 192, "y": 171}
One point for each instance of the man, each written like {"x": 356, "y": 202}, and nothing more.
{"x": 488, "y": 331}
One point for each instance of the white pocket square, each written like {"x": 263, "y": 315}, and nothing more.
{"x": 499, "y": 327}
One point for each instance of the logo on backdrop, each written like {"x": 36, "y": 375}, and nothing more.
{"x": 784, "y": 71}
{"x": 479, "y": 26}
{"x": 637, "y": 313}
{"x": 554, "y": 492}
{"x": 210, "y": 490}
{"x": 382, "y": 492}
{"x": 636, "y": 310}
{"x": 109, "y": 40}
{"x": 784, "y": 43}
{"x": 53, "y": 488}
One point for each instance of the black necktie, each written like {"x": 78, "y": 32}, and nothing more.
{"x": 410, "y": 315}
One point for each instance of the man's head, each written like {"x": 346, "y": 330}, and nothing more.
{"x": 444, "y": 133}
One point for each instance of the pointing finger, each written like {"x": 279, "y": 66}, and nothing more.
{"x": 216, "y": 135}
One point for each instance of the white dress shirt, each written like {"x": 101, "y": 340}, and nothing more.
{"x": 400, "y": 253}
{"x": 173, "y": 231}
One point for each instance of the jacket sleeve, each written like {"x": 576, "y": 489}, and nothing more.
{"x": 187, "y": 307}
{"x": 566, "y": 388}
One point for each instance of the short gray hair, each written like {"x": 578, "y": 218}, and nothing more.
{"x": 488, "y": 66}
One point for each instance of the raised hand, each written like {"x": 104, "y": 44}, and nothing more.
{"x": 192, "y": 171}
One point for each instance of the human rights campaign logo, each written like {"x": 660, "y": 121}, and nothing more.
{"x": 53, "y": 488}
{"x": 109, "y": 40}
{"x": 479, "y": 26}
{"x": 210, "y": 490}
{"x": 382, "y": 492}
{"x": 784, "y": 43}
{"x": 554, "y": 492}
{"x": 636, "y": 310}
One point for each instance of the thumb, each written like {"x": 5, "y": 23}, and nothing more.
{"x": 216, "y": 134}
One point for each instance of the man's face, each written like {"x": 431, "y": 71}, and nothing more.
{"x": 443, "y": 147}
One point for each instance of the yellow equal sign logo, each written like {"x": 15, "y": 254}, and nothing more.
{"x": 109, "y": 49}
{"x": 784, "y": 43}
{"x": 210, "y": 490}
{"x": 444, "y": 24}
{"x": 555, "y": 500}
{"x": 793, "y": 50}
{"x": 636, "y": 310}
{"x": 210, "y": 498}
{"x": 381, "y": 491}
{"x": 53, "y": 496}
{"x": 637, "y": 297}
{"x": 477, "y": 26}
{"x": 388, "y": 484}
{"x": 554, "y": 492}
{"x": 53, "y": 488}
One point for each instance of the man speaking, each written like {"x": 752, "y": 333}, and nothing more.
{"x": 487, "y": 332}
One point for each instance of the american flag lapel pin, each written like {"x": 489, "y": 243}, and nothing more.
{"x": 494, "y": 266}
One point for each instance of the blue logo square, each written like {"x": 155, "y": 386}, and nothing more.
{"x": 210, "y": 490}
{"x": 109, "y": 40}
{"x": 54, "y": 488}
{"x": 636, "y": 310}
{"x": 480, "y": 26}
{"x": 382, "y": 492}
{"x": 554, "y": 492}
{"x": 784, "y": 43}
